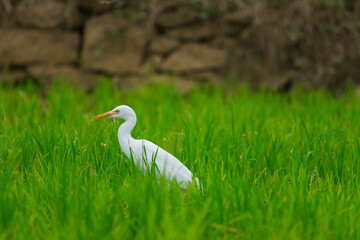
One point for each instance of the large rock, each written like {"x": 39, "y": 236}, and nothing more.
{"x": 13, "y": 76}
{"x": 153, "y": 64}
{"x": 198, "y": 31}
{"x": 241, "y": 17}
{"x": 163, "y": 45}
{"x": 206, "y": 77}
{"x": 178, "y": 17}
{"x": 131, "y": 81}
{"x": 96, "y": 5}
{"x": 69, "y": 74}
{"x": 195, "y": 57}
{"x": 41, "y": 14}
{"x": 23, "y": 46}
{"x": 113, "y": 45}
{"x": 235, "y": 22}
{"x": 6, "y": 19}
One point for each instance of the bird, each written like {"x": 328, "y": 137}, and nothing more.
{"x": 144, "y": 153}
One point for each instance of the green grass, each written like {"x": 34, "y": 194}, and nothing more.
{"x": 273, "y": 166}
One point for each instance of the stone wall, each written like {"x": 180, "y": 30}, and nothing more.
{"x": 81, "y": 40}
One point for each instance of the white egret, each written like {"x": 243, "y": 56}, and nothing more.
{"x": 144, "y": 152}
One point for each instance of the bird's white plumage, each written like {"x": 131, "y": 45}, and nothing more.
{"x": 145, "y": 153}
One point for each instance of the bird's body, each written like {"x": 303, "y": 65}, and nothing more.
{"x": 145, "y": 153}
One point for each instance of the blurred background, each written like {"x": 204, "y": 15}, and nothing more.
{"x": 275, "y": 44}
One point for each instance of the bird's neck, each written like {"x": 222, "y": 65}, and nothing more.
{"x": 124, "y": 132}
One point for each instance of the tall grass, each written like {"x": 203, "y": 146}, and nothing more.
{"x": 273, "y": 166}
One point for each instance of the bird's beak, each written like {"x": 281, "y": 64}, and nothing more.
{"x": 104, "y": 115}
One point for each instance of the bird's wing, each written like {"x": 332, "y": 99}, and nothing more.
{"x": 166, "y": 163}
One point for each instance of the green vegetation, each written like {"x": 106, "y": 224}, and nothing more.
{"x": 274, "y": 166}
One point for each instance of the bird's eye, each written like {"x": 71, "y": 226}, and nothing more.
{"x": 117, "y": 111}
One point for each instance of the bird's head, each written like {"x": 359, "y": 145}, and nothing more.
{"x": 122, "y": 112}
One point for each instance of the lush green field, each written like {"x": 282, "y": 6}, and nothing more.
{"x": 273, "y": 166}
